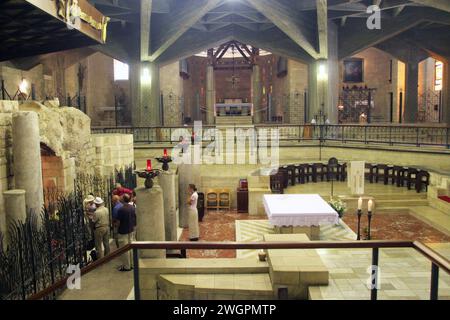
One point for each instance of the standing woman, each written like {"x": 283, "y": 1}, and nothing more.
{"x": 194, "y": 232}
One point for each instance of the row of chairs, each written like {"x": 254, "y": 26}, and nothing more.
{"x": 218, "y": 199}
{"x": 303, "y": 173}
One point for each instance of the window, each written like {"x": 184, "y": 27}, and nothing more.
{"x": 438, "y": 72}
{"x": 120, "y": 70}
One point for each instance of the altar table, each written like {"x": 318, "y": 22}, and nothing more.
{"x": 299, "y": 213}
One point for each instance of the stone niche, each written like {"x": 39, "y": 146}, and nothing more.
{"x": 66, "y": 133}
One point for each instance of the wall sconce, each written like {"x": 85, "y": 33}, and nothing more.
{"x": 146, "y": 78}
{"x": 23, "y": 86}
{"x": 322, "y": 73}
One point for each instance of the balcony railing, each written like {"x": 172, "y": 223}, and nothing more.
{"x": 437, "y": 261}
{"x": 407, "y": 135}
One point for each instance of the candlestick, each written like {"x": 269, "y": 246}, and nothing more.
{"x": 369, "y": 217}
{"x": 149, "y": 165}
{"x": 370, "y": 205}
{"x": 359, "y": 213}
{"x": 165, "y": 153}
{"x": 360, "y": 201}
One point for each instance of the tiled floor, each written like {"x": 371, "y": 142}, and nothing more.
{"x": 397, "y": 227}
{"x": 220, "y": 226}
{"x": 217, "y": 226}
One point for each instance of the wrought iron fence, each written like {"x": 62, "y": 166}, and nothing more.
{"x": 35, "y": 254}
{"x": 379, "y": 134}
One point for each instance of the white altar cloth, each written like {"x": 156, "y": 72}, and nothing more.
{"x": 298, "y": 210}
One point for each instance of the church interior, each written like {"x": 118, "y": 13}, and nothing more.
{"x": 225, "y": 150}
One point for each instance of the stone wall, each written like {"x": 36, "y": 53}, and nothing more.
{"x": 112, "y": 151}
{"x": 67, "y": 147}
{"x": 13, "y": 77}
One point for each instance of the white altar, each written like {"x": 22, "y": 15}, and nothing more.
{"x": 233, "y": 109}
{"x": 299, "y": 213}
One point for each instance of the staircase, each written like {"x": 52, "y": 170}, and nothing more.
{"x": 234, "y": 121}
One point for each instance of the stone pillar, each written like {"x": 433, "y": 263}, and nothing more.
{"x": 27, "y": 159}
{"x": 15, "y": 210}
{"x": 145, "y": 94}
{"x": 150, "y": 219}
{"x": 167, "y": 183}
{"x": 446, "y": 93}
{"x": 256, "y": 93}
{"x": 210, "y": 95}
{"x": 188, "y": 173}
{"x": 412, "y": 92}
{"x": 317, "y": 88}
{"x": 333, "y": 74}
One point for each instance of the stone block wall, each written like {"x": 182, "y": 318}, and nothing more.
{"x": 112, "y": 151}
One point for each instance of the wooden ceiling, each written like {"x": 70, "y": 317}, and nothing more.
{"x": 27, "y": 29}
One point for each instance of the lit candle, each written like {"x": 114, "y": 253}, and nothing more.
{"x": 370, "y": 205}
{"x": 360, "y": 203}
{"x": 149, "y": 165}
{"x": 165, "y": 153}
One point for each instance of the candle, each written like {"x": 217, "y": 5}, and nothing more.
{"x": 149, "y": 165}
{"x": 370, "y": 205}
{"x": 360, "y": 203}
{"x": 165, "y": 153}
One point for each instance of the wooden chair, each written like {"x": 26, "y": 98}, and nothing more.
{"x": 283, "y": 171}
{"x": 276, "y": 184}
{"x": 411, "y": 177}
{"x": 423, "y": 180}
{"x": 380, "y": 173}
{"x": 319, "y": 171}
{"x": 370, "y": 171}
{"x": 212, "y": 199}
{"x": 224, "y": 199}
{"x": 401, "y": 175}
{"x": 342, "y": 171}
{"x": 291, "y": 174}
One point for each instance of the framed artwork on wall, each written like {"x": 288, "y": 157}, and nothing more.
{"x": 354, "y": 70}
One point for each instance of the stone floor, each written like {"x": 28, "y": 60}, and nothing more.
{"x": 397, "y": 227}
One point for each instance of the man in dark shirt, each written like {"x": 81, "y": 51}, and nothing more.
{"x": 126, "y": 217}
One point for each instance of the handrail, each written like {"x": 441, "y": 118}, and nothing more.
{"x": 426, "y": 251}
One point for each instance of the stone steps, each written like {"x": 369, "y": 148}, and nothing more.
{"x": 242, "y": 120}
{"x": 400, "y": 203}
{"x": 215, "y": 287}
{"x": 440, "y": 220}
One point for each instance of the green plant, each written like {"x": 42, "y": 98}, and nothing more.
{"x": 338, "y": 205}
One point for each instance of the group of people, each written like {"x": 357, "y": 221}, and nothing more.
{"x": 123, "y": 222}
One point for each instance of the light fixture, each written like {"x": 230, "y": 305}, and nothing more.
{"x": 146, "y": 78}
{"x": 23, "y": 86}
{"x": 322, "y": 70}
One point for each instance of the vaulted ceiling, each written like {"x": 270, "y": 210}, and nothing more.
{"x": 167, "y": 30}
{"x": 172, "y": 29}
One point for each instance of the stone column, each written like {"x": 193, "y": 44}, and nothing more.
{"x": 27, "y": 159}
{"x": 188, "y": 173}
{"x": 210, "y": 95}
{"x": 412, "y": 92}
{"x": 256, "y": 93}
{"x": 150, "y": 219}
{"x": 333, "y": 74}
{"x": 15, "y": 210}
{"x": 167, "y": 183}
{"x": 446, "y": 93}
{"x": 317, "y": 88}
{"x": 145, "y": 94}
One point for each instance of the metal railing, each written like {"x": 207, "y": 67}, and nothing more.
{"x": 407, "y": 135}
{"x": 437, "y": 261}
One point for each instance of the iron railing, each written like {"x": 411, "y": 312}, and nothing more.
{"x": 35, "y": 253}
{"x": 367, "y": 134}
{"x": 437, "y": 261}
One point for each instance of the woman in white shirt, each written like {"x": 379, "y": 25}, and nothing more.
{"x": 194, "y": 232}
